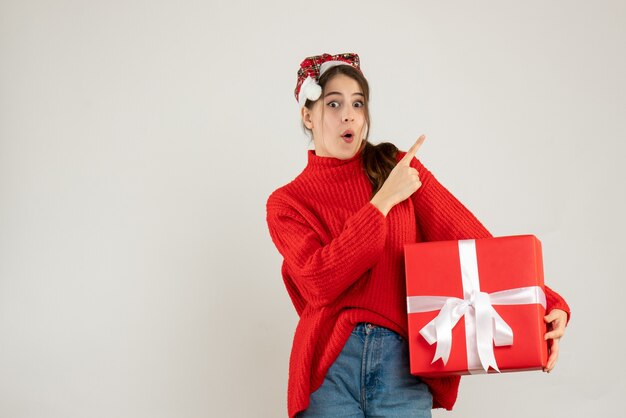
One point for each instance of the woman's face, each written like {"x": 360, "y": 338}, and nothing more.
{"x": 337, "y": 119}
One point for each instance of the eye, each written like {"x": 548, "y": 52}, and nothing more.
{"x": 333, "y": 104}
{"x": 358, "y": 104}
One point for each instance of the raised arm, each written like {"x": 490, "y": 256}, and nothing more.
{"x": 440, "y": 215}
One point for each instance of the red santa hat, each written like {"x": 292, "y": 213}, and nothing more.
{"x": 312, "y": 68}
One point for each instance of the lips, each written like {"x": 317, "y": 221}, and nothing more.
{"x": 348, "y": 135}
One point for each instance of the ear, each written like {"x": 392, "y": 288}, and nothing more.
{"x": 306, "y": 117}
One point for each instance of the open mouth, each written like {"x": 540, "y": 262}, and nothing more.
{"x": 348, "y": 136}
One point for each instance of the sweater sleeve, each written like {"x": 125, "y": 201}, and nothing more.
{"x": 556, "y": 301}
{"x": 323, "y": 271}
{"x": 441, "y": 216}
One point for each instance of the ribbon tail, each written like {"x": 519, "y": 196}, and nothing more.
{"x": 429, "y": 332}
{"x": 503, "y": 334}
{"x": 443, "y": 324}
{"x": 443, "y": 329}
{"x": 439, "y": 330}
{"x": 485, "y": 331}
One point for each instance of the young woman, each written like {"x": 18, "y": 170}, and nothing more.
{"x": 341, "y": 226}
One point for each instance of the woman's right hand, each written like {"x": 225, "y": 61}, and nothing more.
{"x": 402, "y": 182}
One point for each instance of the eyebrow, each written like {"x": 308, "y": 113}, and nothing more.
{"x": 336, "y": 92}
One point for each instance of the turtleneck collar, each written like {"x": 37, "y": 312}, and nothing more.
{"x": 316, "y": 162}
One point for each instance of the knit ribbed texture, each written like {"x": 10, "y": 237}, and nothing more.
{"x": 343, "y": 261}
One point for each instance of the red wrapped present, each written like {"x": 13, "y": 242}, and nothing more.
{"x": 476, "y": 306}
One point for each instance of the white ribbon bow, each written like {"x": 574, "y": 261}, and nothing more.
{"x": 483, "y": 325}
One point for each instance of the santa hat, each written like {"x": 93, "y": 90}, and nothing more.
{"x": 312, "y": 68}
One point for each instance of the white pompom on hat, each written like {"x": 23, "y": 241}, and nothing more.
{"x": 312, "y": 68}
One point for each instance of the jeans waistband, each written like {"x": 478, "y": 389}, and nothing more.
{"x": 367, "y": 328}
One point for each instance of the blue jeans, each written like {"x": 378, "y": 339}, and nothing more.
{"x": 371, "y": 378}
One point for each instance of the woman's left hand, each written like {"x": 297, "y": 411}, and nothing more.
{"x": 556, "y": 320}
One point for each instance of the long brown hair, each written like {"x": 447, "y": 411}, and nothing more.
{"x": 378, "y": 160}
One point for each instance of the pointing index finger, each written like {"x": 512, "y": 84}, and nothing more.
{"x": 406, "y": 160}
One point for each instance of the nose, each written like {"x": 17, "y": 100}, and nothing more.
{"x": 348, "y": 115}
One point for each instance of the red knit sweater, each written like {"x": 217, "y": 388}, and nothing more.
{"x": 343, "y": 261}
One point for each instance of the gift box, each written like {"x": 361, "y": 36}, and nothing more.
{"x": 476, "y": 306}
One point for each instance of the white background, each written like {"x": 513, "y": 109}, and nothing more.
{"x": 139, "y": 141}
